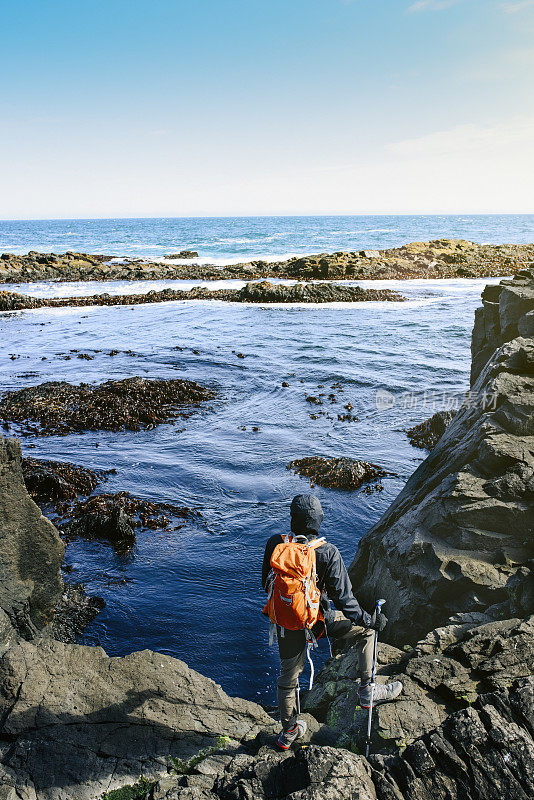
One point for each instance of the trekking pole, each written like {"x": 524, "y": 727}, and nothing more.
{"x": 312, "y": 668}
{"x": 297, "y": 690}
{"x": 379, "y": 605}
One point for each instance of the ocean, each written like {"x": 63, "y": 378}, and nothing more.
{"x": 223, "y": 240}
{"x": 194, "y": 593}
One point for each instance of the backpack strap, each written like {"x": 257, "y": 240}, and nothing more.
{"x": 293, "y": 537}
{"x": 316, "y": 543}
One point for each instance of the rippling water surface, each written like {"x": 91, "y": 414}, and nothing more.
{"x": 194, "y": 593}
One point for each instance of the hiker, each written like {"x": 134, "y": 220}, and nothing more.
{"x": 346, "y": 624}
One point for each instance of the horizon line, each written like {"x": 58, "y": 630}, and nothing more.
{"x": 278, "y": 216}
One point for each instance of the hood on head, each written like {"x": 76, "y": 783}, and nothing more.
{"x": 306, "y": 514}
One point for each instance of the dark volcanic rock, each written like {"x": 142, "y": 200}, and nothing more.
{"x": 485, "y": 752}
{"x": 463, "y": 525}
{"x": 75, "y": 723}
{"x": 337, "y": 473}
{"x": 507, "y": 312}
{"x": 427, "y": 434}
{"x": 183, "y": 254}
{"x": 58, "y": 408}
{"x": 265, "y": 292}
{"x": 73, "y": 613}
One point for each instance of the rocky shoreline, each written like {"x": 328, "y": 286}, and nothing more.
{"x": 453, "y": 558}
{"x": 439, "y": 258}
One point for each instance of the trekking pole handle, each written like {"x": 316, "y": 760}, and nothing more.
{"x": 379, "y": 604}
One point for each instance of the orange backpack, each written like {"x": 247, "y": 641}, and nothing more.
{"x": 293, "y": 595}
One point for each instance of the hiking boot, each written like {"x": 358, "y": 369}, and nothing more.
{"x": 286, "y": 738}
{"x": 382, "y": 693}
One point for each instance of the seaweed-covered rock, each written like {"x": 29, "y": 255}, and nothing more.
{"x": 183, "y": 254}
{"x": 427, "y": 434}
{"x": 59, "y": 408}
{"x": 257, "y": 292}
{"x": 337, "y": 473}
{"x": 115, "y": 516}
{"x": 49, "y": 481}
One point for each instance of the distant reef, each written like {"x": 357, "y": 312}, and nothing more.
{"x": 439, "y": 258}
{"x": 253, "y": 292}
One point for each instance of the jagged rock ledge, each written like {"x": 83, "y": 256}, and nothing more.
{"x": 439, "y": 258}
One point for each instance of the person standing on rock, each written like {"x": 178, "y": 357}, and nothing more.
{"x": 346, "y": 624}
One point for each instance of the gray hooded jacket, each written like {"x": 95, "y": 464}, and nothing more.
{"x": 333, "y": 580}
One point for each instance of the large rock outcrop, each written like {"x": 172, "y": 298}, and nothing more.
{"x": 31, "y": 551}
{"x": 459, "y": 536}
{"x": 76, "y": 723}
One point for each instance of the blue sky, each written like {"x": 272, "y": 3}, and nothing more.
{"x": 193, "y": 107}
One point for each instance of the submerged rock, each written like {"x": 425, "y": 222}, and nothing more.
{"x": 337, "y": 473}
{"x": 427, "y": 434}
{"x": 183, "y": 254}
{"x": 74, "y": 612}
{"x": 59, "y": 408}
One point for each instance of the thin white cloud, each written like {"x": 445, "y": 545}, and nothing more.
{"x": 467, "y": 139}
{"x": 432, "y": 5}
{"x": 517, "y": 5}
